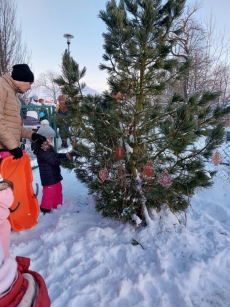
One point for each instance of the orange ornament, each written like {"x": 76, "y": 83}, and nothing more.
{"x": 120, "y": 152}
{"x": 216, "y": 159}
{"x": 148, "y": 169}
{"x": 103, "y": 175}
{"x": 165, "y": 179}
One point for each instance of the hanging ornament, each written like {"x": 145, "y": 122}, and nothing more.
{"x": 148, "y": 169}
{"x": 216, "y": 159}
{"x": 103, "y": 175}
{"x": 118, "y": 97}
{"x": 120, "y": 152}
{"x": 130, "y": 131}
{"x": 99, "y": 179}
{"x": 227, "y": 121}
{"x": 165, "y": 179}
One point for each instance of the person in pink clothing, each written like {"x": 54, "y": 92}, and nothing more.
{"x": 49, "y": 162}
{"x": 6, "y": 201}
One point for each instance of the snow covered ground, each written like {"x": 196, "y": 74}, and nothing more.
{"x": 89, "y": 261}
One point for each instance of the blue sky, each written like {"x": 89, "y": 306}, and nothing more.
{"x": 44, "y": 22}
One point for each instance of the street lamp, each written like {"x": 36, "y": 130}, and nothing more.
{"x": 69, "y": 37}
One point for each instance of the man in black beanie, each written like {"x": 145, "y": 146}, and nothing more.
{"x": 22, "y": 72}
{"x": 11, "y": 128}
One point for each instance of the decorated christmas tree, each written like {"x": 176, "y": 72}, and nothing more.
{"x": 136, "y": 149}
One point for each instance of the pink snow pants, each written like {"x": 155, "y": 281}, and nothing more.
{"x": 52, "y": 196}
{"x": 5, "y": 229}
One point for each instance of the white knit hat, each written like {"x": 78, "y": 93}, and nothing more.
{"x": 8, "y": 271}
{"x": 46, "y": 130}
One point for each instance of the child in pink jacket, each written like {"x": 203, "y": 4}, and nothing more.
{"x": 6, "y": 201}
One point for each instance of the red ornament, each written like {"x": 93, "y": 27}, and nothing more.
{"x": 103, "y": 175}
{"x": 118, "y": 97}
{"x": 99, "y": 179}
{"x": 130, "y": 131}
{"x": 216, "y": 159}
{"x": 120, "y": 152}
{"x": 165, "y": 179}
{"x": 148, "y": 169}
{"x": 227, "y": 121}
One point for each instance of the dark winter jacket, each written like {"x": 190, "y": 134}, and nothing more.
{"x": 62, "y": 111}
{"x": 49, "y": 164}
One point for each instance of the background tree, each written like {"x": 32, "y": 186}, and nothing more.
{"x": 12, "y": 49}
{"x": 208, "y": 51}
{"x": 136, "y": 151}
{"x": 49, "y": 86}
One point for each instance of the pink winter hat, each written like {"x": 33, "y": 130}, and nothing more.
{"x": 8, "y": 271}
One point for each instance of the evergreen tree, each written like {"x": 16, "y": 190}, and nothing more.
{"x": 71, "y": 86}
{"x": 135, "y": 151}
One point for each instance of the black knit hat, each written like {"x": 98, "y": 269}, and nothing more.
{"x": 22, "y": 72}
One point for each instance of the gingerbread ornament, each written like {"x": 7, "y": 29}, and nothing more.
{"x": 216, "y": 159}
{"x": 165, "y": 179}
{"x": 103, "y": 175}
{"x": 120, "y": 152}
{"x": 148, "y": 169}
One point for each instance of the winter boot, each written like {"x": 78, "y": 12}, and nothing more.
{"x": 44, "y": 210}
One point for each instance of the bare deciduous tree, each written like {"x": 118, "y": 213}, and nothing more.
{"x": 12, "y": 49}
{"x": 46, "y": 82}
{"x": 209, "y": 54}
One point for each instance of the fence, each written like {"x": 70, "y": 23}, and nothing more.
{"x": 32, "y": 116}
{"x": 220, "y": 161}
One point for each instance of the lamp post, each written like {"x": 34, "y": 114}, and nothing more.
{"x": 68, "y": 37}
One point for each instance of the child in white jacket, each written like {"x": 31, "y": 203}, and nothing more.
{"x": 6, "y": 201}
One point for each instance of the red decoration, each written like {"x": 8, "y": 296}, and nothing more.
{"x": 227, "y": 121}
{"x": 103, "y": 175}
{"x": 120, "y": 152}
{"x": 148, "y": 169}
{"x": 118, "y": 97}
{"x": 165, "y": 179}
{"x": 99, "y": 179}
{"x": 216, "y": 159}
{"x": 130, "y": 131}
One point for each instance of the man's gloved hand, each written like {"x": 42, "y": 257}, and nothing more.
{"x": 16, "y": 152}
{"x": 38, "y": 138}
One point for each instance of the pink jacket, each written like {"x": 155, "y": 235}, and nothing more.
{"x": 6, "y": 201}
